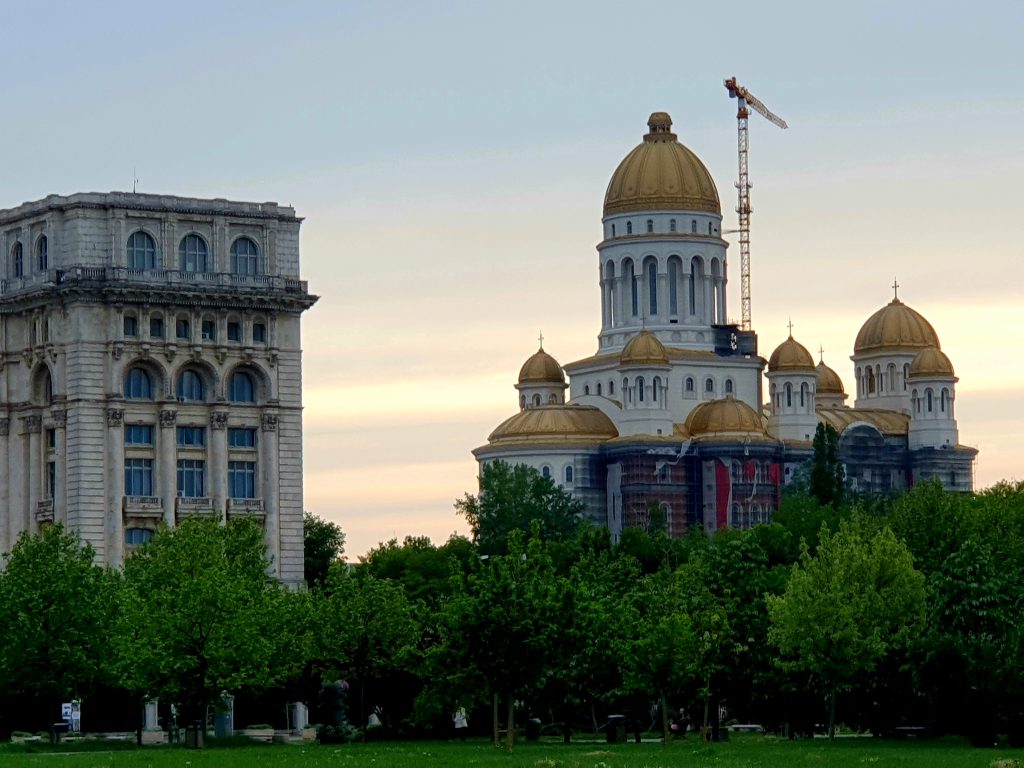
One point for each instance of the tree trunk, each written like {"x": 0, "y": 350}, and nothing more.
{"x": 704, "y": 725}
{"x": 510, "y": 734}
{"x": 666, "y": 732}
{"x": 496, "y": 728}
{"x": 832, "y": 716}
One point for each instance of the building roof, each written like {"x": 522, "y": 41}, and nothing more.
{"x": 644, "y": 349}
{"x": 895, "y": 327}
{"x": 885, "y": 421}
{"x": 828, "y": 382}
{"x": 661, "y": 174}
{"x": 930, "y": 361}
{"x": 541, "y": 368}
{"x": 727, "y": 416}
{"x": 555, "y": 424}
{"x": 791, "y": 355}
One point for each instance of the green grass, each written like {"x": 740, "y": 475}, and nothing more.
{"x": 741, "y": 752}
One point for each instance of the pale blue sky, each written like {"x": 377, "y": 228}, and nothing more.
{"x": 450, "y": 160}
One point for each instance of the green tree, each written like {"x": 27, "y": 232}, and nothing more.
{"x": 200, "y": 615}
{"x": 422, "y": 569}
{"x": 511, "y": 498}
{"x": 323, "y": 544}
{"x": 828, "y": 478}
{"x": 56, "y": 608}
{"x": 846, "y": 607}
{"x": 500, "y": 626}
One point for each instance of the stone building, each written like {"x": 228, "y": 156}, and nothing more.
{"x": 672, "y": 408}
{"x": 150, "y": 368}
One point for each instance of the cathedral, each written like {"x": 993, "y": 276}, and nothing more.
{"x": 672, "y": 407}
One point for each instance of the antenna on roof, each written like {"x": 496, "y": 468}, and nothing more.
{"x": 135, "y": 180}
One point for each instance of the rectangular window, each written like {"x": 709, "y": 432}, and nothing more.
{"x": 242, "y": 437}
{"x": 192, "y": 437}
{"x": 131, "y": 325}
{"x": 259, "y": 333}
{"x": 191, "y": 477}
{"x": 138, "y": 477}
{"x": 242, "y": 479}
{"x": 209, "y": 330}
{"x": 51, "y": 439}
{"x": 51, "y": 479}
{"x": 156, "y": 327}
{"x": 138, "y": 434}
{"x": 234, "y": 332}
{"x": 182, "y": 329}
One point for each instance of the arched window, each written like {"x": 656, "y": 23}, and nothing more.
{"x": 138, "y": 385}
{"x": 630, "y": 274}
{"x": 928, "y": 395}
{"x": 709, "y": 227}
{"x": 190, "y": 386}
{"x": 942, "y": 400}
{"x": 242, "y": 388}
{"x": 892, "y": 377}
{"x": 568, "y": 474}
{"x": 629, "y": 227}
{"x": 652, "y": 287}
{"x": 693, "y": 226}
{"x": 611, "y": 387}
{"x": 640, "y": 388}
{"x": 696, "y": 274}
{"x": 522, "y": 401}
{"x": 689, "y": 385}
{"x": 625, "y": 388}
{"x": 17, "y": 261}
{"x": 728, "y": 386}
{"x": 789, "y": 395}
{"x": 804, "y": 392}
{"x": 546, "y": 471}
{"x": 609, "y": 280}
{"x": 916, "y": 401}
{"x": 245, "y": 257}
{"x": 599, "y": 387}
{"x": 871, "y": 381}
{"x": 586, "y": 389}
{"x": 655, "y": 386}
{"x": 671, "y": 225}
{"x": 192, "y": 254}
{"x": 536, "y": 401}
{"x": 42, "y": 254}
{"x": 650, "y": 226}
{"x": 141, "y": 251}
{"x": 673, "y": 287}
{"x": 552, "y": 399}
{"x": 709, "y": 386}
{"x": 613, "y": 230}
{"x": 906, "y": 372}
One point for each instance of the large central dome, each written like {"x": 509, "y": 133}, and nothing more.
{"x": 661, "y": 175}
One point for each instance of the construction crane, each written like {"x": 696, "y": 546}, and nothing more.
{"x": 744, "y": 99}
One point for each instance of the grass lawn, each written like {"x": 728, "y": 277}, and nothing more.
{"x": 744, "y": 751}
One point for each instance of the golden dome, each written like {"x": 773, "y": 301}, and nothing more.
{"x": 644, "y": 349}
{"x": 930, "y": 361}
{"x": 729, "y": 415}
{"x": 661, "y": 175}
{"x": 829, "y": 382}
{"x": 790, "y": 355}
{"x": 895, "y": 327}
{"x": 541, "y": 368}
{"x": 557, "y": 423}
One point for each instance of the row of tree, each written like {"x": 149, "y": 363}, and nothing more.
{"x": 871, "y": 612}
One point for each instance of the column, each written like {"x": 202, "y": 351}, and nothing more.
{"x": 115, "y": 487}
{"x": 217, "y": 481}
{"x": 167, "y": 468}
{"x": 33, "y": 424}
{"x": 270, "y": 484}
{"x": 60, "y": 457}
{"x": 7, "y": 531}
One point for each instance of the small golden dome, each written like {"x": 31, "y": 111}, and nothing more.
{"x": 729, "y": 415}
{"x": 829, "y": 382}
{"x": 930, "y": 361}
{"x": 644, "y": 349}
{"x": 541, "y": 368}
{"x": 558, "y": 422}
{"x": 791, "y": 355}
{"x": 895, "y": 327}
{"x": 661, "y": 175}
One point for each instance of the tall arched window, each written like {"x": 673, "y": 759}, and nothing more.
{"x": 942, "y": 400}
{"x": 709, "y": 386}
{"x": 696, "y": 274}
{"x": 42, "y": 254}
{"x": 17, "y": 260}
{"x": 245, "y": 257}
{"x": 611, "y": 387}
{"x": 928, "y": 395}
{"x": 693, "y": 226}
{"x": 242, "y": 388}
{"x": 138, "y": 385}
{"x": 192, "y": 254}
{"x": 655, "y": 386}
{"x": 586, "y": 389}
{"x": 640, "y": 388}
{"x": 599, "y": 387}
{"x": 728, "y": 386}
{"x": 629, "y": 227}
{"x": 673, "y": 287}
{"x": 536, "y": 401}
{"x": 789, "y": 395}
{"x": 671, "y": 225}
{"x": 906, "y": 372}
{"x": 804, "y": 395}
{"x": 633, "y": 288}
{"x": 141, "y": 251}
{"x": 609, "y": 280}
{"x": 709, "y": 227}
{"x": 689, "y": 386}
{"x": 568, "y": 474}
{"x": 650, "y": 225}
{"x": 546, "y": 471}
{"x": 190, "y": 386}
{"x": 892, "y": 377}
{"x": 652, "y": 288}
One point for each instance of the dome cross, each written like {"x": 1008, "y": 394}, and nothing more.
{"x": 540, "y": 339}
{"x": 895, "y": 289}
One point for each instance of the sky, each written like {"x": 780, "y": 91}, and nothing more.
{"x": 450, "y": 160}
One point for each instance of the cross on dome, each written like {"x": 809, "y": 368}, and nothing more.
{"x": 540, "y": 339}
{"x": 790, "y": 324}
{"x": 821, "y": 354}
{"x": 895, "y": 289}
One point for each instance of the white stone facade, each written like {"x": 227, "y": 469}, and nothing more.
{"x": 151, "y": 368}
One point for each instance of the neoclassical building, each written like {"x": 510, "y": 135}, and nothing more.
{"x": 150, "y": 368}
{"x": 677, "y": 406}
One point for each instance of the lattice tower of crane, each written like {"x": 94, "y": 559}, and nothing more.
{"x": 744, "y": 99}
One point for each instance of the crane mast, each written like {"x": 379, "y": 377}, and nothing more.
{"x": 743, "y": 99}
